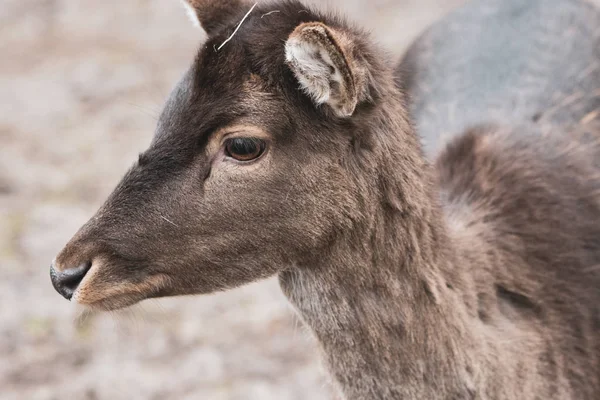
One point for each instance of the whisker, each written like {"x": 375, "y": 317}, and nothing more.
{"x": 149, "y": 112}
{"x": 169, "y": 221}
{"x": 269, "y": 13}
{"x": 238, "y": 27}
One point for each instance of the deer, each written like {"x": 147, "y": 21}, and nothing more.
{"x": 292, "y": 148}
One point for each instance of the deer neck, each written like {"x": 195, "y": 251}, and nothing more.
{"x": 377, "y": 300}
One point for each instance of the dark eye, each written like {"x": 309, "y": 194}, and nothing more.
{"x": 244, "y": 149}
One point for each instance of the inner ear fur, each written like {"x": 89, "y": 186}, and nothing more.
{"x": 324, "y": 62}
{"x": 214, "y": 15}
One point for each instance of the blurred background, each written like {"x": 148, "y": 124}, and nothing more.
{"x": 81, "y": 85}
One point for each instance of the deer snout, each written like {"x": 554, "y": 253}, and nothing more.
{"x": 66, "y": 281}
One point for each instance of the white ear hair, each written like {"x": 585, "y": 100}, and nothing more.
{"x": 191, "y": 13}
{"x": 317, "y": 56}
{"x": 316, "y": 66}
{"x": 214, "y": 15}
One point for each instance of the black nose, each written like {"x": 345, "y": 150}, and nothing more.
{"x": 66, "y": 282}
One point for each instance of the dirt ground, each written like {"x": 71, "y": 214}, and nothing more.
{"x": 81, "y": 85}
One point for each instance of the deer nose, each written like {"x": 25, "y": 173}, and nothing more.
{"x": 65, "y": 282}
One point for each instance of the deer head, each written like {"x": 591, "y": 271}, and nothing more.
{"x": 254, "y": 166}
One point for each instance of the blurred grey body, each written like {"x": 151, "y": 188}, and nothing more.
{"x": 497, "y": 62}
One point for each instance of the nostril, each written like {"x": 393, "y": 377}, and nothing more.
{"x": 66, "y": 282}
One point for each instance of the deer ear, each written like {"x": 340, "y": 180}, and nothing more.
{"x": 213, "y": 15}
{"x": 322, "y": 60}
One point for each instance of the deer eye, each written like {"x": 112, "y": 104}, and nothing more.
{"x": 244, "y": 149}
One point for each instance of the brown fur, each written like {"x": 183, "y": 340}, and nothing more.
{"x": 476, "y": 278}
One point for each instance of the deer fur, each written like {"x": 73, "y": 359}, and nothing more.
{"x": 476, "y": 276}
